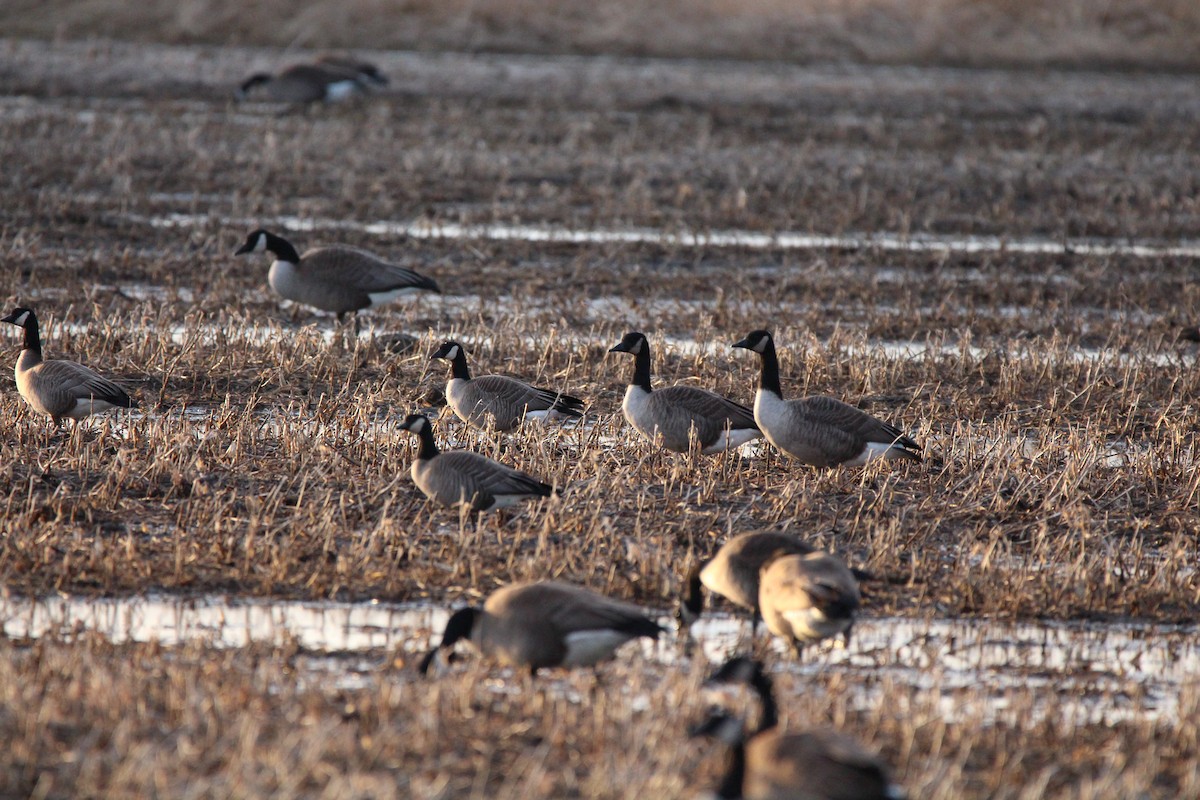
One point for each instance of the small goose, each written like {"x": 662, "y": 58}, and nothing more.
{"x": 460, "y": 477}
{"x": 496, "y": 400}
{"x": 806, "y": 597}
{"x": 820, "y": 431}
{"x": 675, "y": 412}
{"x": 771, "y": 765}
{"x": 60, "y": 388}
{"x": 546, "y": 624}
{"x": 337, "y": 278}
{"x": 733, "y": 572}
{"x": 331, "y": 80}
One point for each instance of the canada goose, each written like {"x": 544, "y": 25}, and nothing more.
{"x": 60, "y": 388}
{"x": 496, "y": 400}
{"x": 771, "y": 765}
{"x": 337, "y": 278}
{"x": 546, "y": 624}
{"x": 675, "y": 412}
{"x": 327, "y": 82}
{"x": 806, "y": 597}
{"x": 733, "y": 572}
{"x": 820, "y": 431}
{"x": 461, "y": 477}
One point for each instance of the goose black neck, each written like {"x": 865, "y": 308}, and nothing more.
{"x": 735, "y": 774}
{"x": 693, "y": 599}
{"x": 429, "y": 448}
{"x": 458, "y": 367}
{"x": 282, "y": 249}
{"x": 33, "y": 339}
{"x": 641, "y": 367}
{"x": 769, "y": 377}
{"x": 766, "y": 695}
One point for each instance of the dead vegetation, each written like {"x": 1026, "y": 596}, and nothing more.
{"x": 1057, "y": 410}
{"x": 1155, "y": 34}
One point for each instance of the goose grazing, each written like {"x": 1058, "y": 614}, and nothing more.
{"x": 546, "y": 624}
{"x": 460, "y": 477}
{"x": 733, "y": 572}
{"x": 340, "y": 279}
{"x": 772, "y": 765}
{"x": 330, "y": 80}
{"x": 678, "y": 413}
{"x": 60, "y": 389}
{"x": 806, "y": 597}
{"x": 495, "y": 400}
{"x": 820, "y": 431}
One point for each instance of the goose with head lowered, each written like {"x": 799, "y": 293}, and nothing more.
{"x": 460, "y": 477}
{"x": 733, "y": 572}
{"x": 340, "y": 279}
{"x": 807, "y": 597}
{"x": 546, "y": 624}
{"x": 60, "y": 389}
{"x": 770, "y": 764}
{"x": 497, "y": 400}
{"x": 331, "y": 79}
{"x": 820, "y": 431}
{"x": 678, "y": 413}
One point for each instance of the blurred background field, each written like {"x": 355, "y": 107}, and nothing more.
{"x": 1151, "y": 34}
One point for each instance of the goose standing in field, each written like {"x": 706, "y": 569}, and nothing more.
{"x": 733, "y": 572}
{"x": 495, "y": 400}
{"x": 820, "y": 431}
{"x": 331, "y": 80}
{"x": 772, "y": 765}
{"x": 678, "y": 412}
{"x": 337, "y": 278}
{"x": 60, "y": 389}
{"x": 806, "y": 597}
{"x": 461, "y": 477}
{"x": 546, "y": 624}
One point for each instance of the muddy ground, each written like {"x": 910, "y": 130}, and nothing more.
{"x": 1056, "y": 404}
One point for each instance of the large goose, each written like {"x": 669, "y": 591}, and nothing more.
{"x": 330, "y": 80}
{"x": 820, "y": 431}
{"x": 496, "y": 400}
{"x": 460, "y": 477}
{"x": 337, "y": 278}
{"x": 546, "y": 624}
{"x": 771, "y": 765}
{"x": 733, "y": 572}
{"x": 60, "y": 389}
{"x": 678, "y": 413}
{"x": 806, "y": 597}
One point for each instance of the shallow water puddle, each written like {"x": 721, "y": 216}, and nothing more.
{"x": 751, "y": 240}
{"x": 1096, "y": 672}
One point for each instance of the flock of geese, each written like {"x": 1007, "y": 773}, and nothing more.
{"x": 803, "y": 594}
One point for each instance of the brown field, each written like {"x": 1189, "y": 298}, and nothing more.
{"x": 1057, "y": 407}
{"x": 1148, "y": 34}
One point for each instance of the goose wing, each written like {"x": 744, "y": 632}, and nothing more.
{"x": 825, "y": 763}
{"x": 510, "y": 398}
{"x": 709, "y": 405}
{"x": 476, "y": 474}
{"x": 61, "y": 383}
{"x": 351, "y": 266}
{"x": 577, "y": 609}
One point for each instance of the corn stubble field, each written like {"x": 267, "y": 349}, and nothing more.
{"x": 1057, "y": 408}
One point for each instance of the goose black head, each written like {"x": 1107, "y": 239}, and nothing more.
{"x": 758, "y": 341}
{"x": 447, "y": 350}
{"x": 458, "y": 627}
{"x": 20, "y": 317}
{"x": 416, "y": 423}
{"x": 739, "y": 669}
{"x": 256, "y": 242}
{"x": 632, "y": 342}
